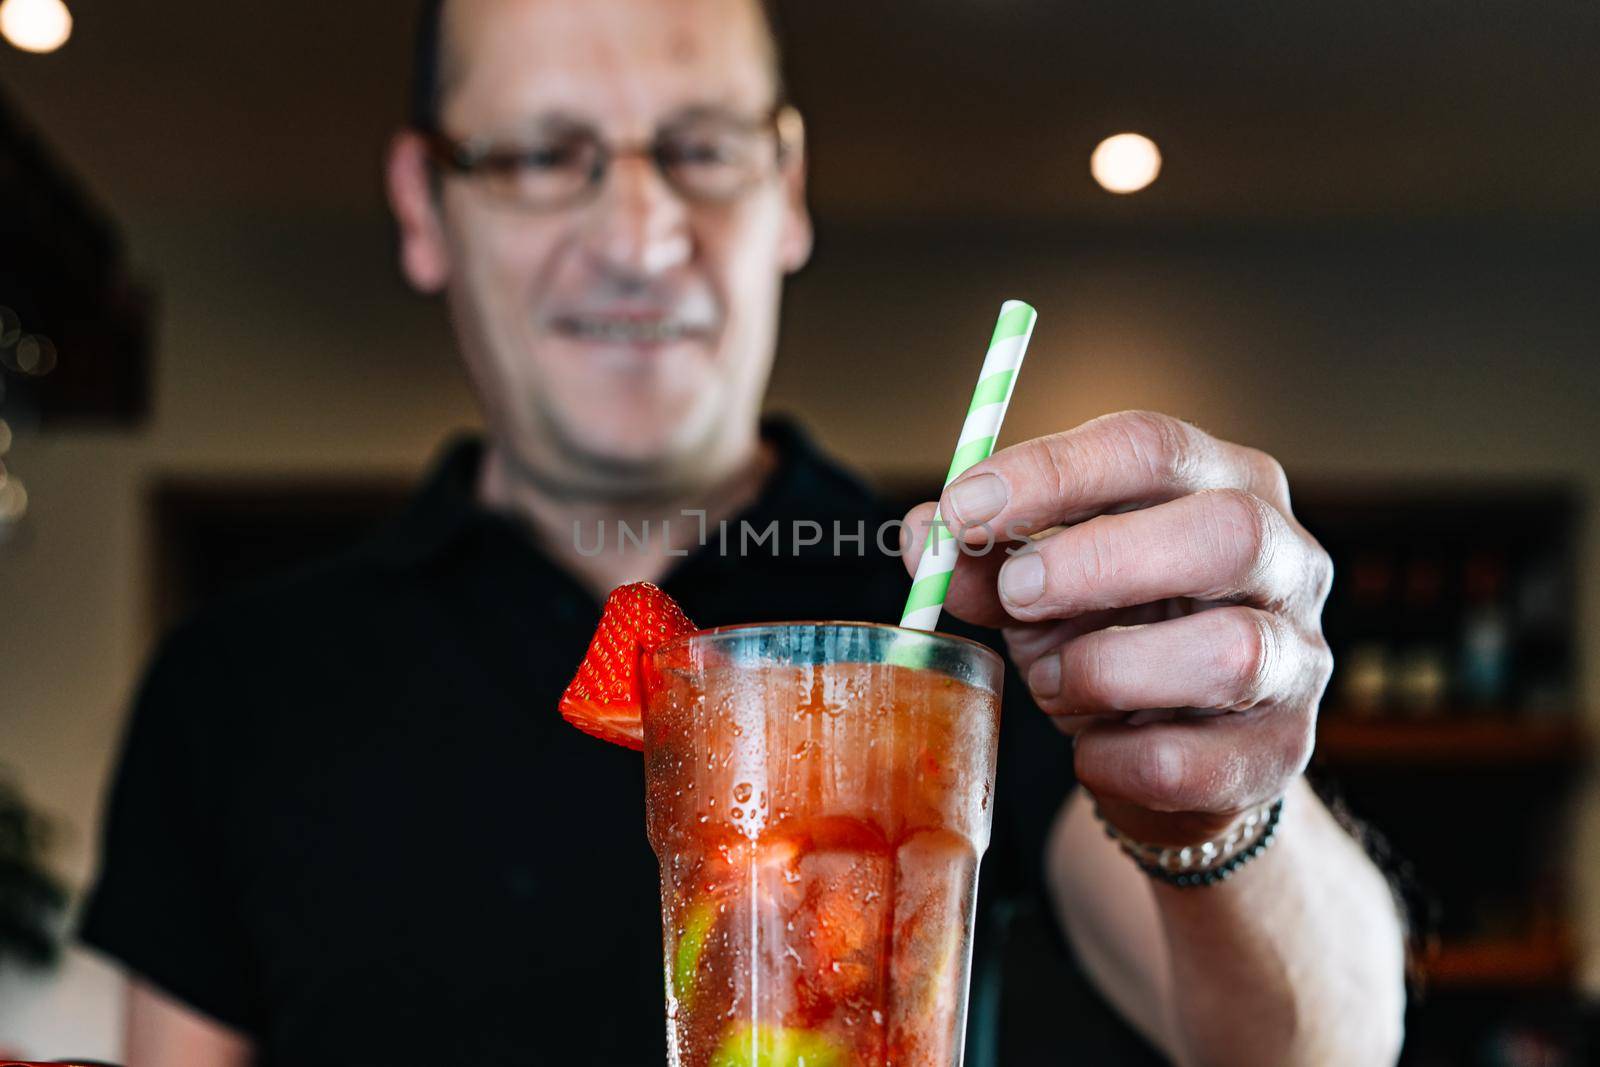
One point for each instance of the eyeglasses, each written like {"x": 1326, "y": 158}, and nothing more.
{"x": 705, "y": 157}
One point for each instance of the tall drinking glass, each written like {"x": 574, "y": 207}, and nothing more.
{"x": 818, "y": 796}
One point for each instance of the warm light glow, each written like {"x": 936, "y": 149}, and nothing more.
{"x": 13, "y": 501}
{"x": 35, "y": 355}
{"x": 36, "y": 25}
{"x": 1125, "y": 163}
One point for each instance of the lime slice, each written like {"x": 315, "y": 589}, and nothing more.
{"x": 777, "y": 1046}
{"x": 691, "y": 943}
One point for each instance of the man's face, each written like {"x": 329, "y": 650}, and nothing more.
{"x": 628, "y": 338}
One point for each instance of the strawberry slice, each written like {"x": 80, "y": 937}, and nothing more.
{"x": 606, "y": 698}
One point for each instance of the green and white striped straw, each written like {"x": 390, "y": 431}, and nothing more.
{"x": 989, "y": 400}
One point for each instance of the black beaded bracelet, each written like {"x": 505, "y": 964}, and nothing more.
{"x": 1200, "y": 879}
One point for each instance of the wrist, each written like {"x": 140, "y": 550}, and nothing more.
{"x": 1176, "y": 856}
{"x": 1165, "y": 828}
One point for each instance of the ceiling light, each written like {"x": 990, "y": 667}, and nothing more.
{"x": 35, "y": 25}
{"x": 1125, "y": 163}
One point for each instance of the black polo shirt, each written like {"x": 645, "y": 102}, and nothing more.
{"x": 349, "y": 822}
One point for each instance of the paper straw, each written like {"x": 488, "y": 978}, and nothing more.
{"x": 988, "y": 409}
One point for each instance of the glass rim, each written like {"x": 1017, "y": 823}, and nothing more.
{"x": 733, "y": 628}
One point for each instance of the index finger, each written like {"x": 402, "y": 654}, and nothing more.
{"x": 1116, "y": 462}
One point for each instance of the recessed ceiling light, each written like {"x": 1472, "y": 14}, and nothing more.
{"x": 1125, "y": 163}
{"x": 35, "y": 25}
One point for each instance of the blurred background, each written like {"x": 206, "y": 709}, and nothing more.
{"x": 1371, "y": 250}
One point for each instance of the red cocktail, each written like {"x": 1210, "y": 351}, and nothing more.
{"x": 818, "y": 798}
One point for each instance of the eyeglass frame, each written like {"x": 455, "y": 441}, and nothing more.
{"x": 466, "y": 157}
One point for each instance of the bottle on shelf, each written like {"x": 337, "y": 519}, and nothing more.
{"x": 1422, "y": 674}
{"x": 1365, "y": 669}
{"x": 1542, "y": 613}
{"x": 1483, "y": 658}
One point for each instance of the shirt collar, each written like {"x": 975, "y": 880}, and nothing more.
{"x": 440, "y": 510}
{"x": 805, "y": 483}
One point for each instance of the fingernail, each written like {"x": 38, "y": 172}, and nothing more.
{"x": 1022, "y": 579}
{"x": 1044, "y": 677}
{"x": 977, "y": 499}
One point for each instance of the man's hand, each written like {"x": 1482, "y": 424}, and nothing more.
{"x": 1164, "y": 607}
{"x": 1170, "y": 618}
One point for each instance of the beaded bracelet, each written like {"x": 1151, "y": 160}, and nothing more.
{"x": 1205, "y": 864}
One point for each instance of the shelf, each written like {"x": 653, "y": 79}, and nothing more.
{"x": 1547, "y": 961}
{"x": 1451, "y": 740}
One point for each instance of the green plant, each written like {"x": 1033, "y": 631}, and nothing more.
{"x": 31, "y": 899}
